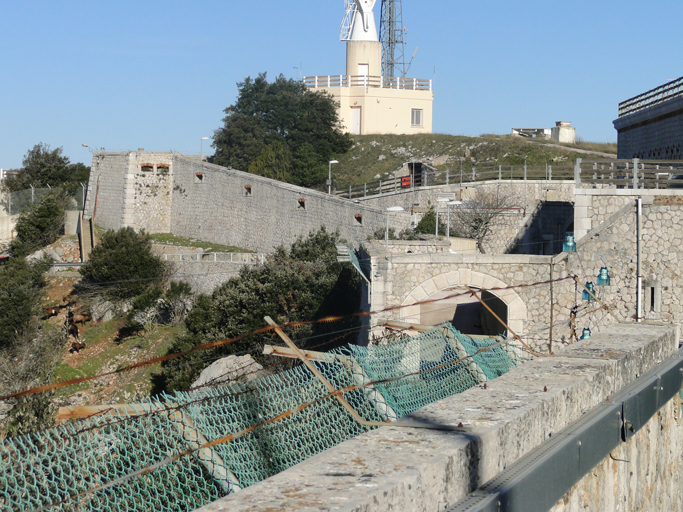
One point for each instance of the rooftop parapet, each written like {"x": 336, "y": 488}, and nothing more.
{"x": 376, "y": 82}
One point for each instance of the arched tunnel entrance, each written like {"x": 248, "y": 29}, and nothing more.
{"x": 465, "y": 312}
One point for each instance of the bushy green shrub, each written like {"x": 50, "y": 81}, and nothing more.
{"x": 122, "y": 265}
{"x": 38, "y": 226}
{"x": 301, "y": 283}
{"x": 21, "y": 285}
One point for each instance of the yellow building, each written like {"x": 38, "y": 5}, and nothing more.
{"x": 368, "y": 102}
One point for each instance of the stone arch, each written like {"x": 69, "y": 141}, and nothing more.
{"x": 517, "y": 310}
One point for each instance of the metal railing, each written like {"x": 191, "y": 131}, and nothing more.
{"x": 378, "y": 82}
{"x": 231, "y": 257}
{"x": 650, "y": 174}
{"x": 653, "y": 97}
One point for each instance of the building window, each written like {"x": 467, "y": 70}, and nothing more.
{"x": 163, "y": 168}
{"x": 247, "y": 190}
{"x": 359, "y": 218}
{"x": 147, "y": 167}
{"x": 302, "y": 204}
{"x": 416, "y": 117}
{"x": 199, "y": 177}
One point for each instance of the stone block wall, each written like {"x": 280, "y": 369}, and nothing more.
{"x": 106, "y": 200}
{"x": 655, "y": 133}
{"x": 613, "y": 245}
{"x": 123, "y": 191}
{"x": 402, "y": 280}
{"x": 231, "y": 207}
{"x": 153, "y": 198}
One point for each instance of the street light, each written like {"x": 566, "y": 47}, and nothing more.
{"x": 329, "y": 177}
{"x": 448, "y": 205}
{"x": 201, "y": 148}
{"x": 92, "y": 150}
{"x": 442, "y": 200}
{"x": 386, "y": 236}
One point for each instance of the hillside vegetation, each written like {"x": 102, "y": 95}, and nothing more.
{"x": 375, "y": 157}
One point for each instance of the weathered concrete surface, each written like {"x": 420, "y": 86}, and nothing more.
{"x": 410, "y": 469}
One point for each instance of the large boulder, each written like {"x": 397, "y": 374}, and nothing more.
{"x": 229, "y": 369}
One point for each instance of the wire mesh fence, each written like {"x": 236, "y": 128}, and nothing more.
{"x": 190, "y": 448}
{"x": 14, "y": 203}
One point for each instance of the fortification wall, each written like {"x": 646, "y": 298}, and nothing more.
{"x": 124, "y": 191}
{"x": 655, "y": 133}
{"x": 427, "y": 469}
{"x": 105, "y": 201}
{"x": 231, "y": 207}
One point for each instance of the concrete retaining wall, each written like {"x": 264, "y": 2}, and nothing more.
{"x": 419, "y": 469}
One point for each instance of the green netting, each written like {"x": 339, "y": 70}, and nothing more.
{"x": 429, "y": 361}
{"x": 48, "y": 467}
{"x": 51, "y": 466}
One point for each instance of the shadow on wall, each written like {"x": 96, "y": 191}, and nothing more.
{"x": 546, "y": 229}
{"x": 465, "y": 312}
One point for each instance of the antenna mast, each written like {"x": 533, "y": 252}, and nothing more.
{"x": 391, "y": 34}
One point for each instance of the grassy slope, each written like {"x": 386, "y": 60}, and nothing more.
{"x": 374, "y": 155}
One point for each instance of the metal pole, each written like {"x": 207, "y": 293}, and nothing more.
{"x": 500, "y": 172}
{"x": 329, "y": 179}
{"x": 436, "y": 207}
{"x": 635, "y": 174}
{"x": 639, "y": 283}
{"x": 386, "y": 236}
{"x": 550, "y": 346}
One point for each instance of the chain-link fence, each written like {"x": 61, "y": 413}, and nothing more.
{"x": 13, "y": 203}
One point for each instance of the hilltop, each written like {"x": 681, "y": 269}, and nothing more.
{"x": 373, "y": 155}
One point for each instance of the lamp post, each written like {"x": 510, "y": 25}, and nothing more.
{"x": 329, "y": 177}
{"x": 386, "y": 236}
{"x": 201, "y": 148}
{"x": 441, "y": 200}
{"x": 448, "y": 205}
{"x": 92, "y": 150}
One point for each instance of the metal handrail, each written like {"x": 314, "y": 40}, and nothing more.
{"x": 607, "y": 173}
{"x": 652, "y": 97}
{"x": 222, "y": 257}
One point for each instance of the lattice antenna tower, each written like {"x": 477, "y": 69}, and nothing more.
{"x": 392, "y": 36}
{"x": 350, "y": 7}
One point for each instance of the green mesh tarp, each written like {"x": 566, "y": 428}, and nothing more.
{"x": 99, "y": 463}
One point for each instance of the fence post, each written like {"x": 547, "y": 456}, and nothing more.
{"x": 550, "y": 173}
{"x": 394, "y": 183}
{"x": 365, "y": 189}
{"x": 447, "y": 175}
{"x": 500, "y": 172}
{"x": 473, "y": 174}
{"x": 635, "y": 174}
{"x": 349, "y": 191}
{"x": 380, "y": 187}
{"x": 525, "y": 170}
{"x": 32, "y": 190}
{"x": 577, "y": 173}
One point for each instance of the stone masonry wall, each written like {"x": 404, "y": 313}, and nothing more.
{"x": 153, "y": 192}
{"x": 105, "y": 201}
{"x": 231, "y": 207}
{"x": 398, "y": 280}
{"x": 661, "y": 256}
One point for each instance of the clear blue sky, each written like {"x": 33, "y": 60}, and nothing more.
{"x": 153, "y": 74}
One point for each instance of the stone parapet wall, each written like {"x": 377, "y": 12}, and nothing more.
{"x": 427, "y": 469}
{"x": 204, "y": 276}
{"x": 105, "y": 202}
